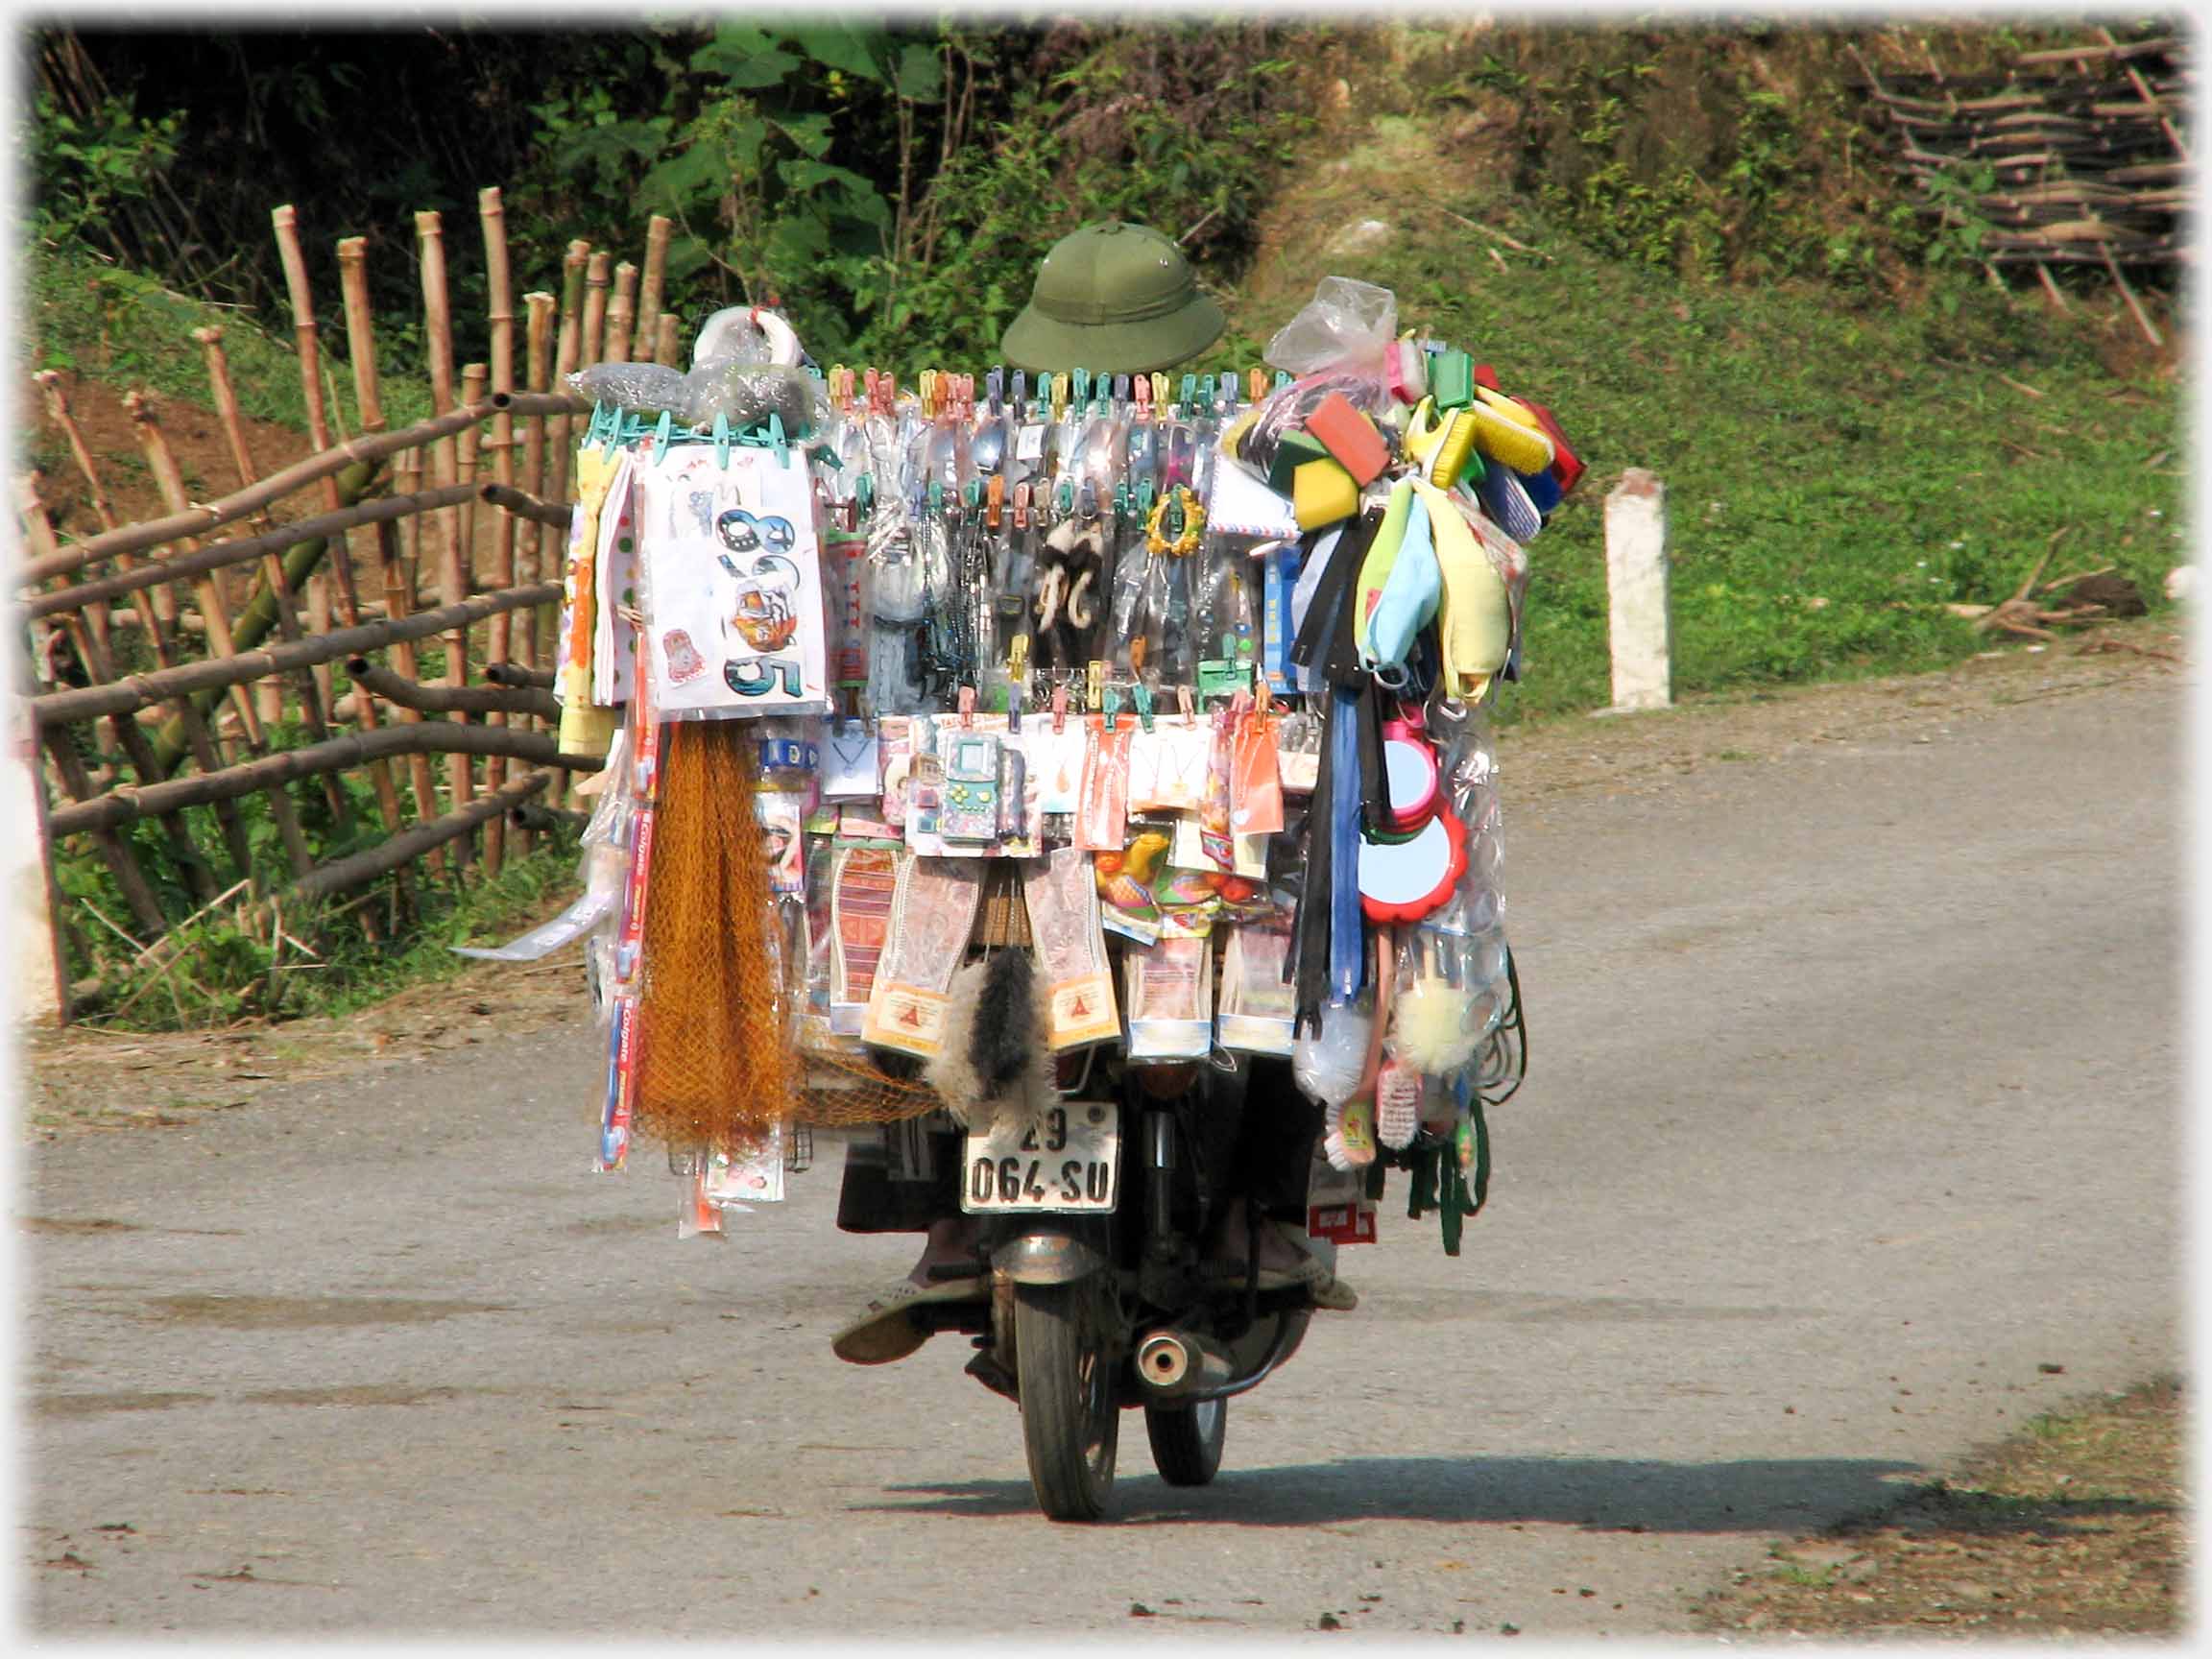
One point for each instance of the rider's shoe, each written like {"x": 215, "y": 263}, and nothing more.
{"x": 883, "y": 1332}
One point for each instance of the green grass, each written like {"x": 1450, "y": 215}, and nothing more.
{"x": 83, "y": 314}
{"x": 223, "y": 974}
{"x": 1812, "y": 449}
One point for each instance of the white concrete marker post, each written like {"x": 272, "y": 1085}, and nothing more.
{"x": 1637, "y": 617}
{"x": 29, "y": 928}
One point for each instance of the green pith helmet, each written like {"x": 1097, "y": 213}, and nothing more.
{"x": 1112, "y": 296}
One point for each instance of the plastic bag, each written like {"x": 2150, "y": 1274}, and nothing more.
{"x": 1251, "y": 439}
{"x": 644, "y": 388}
{"x": 746, "y": 393}
{"x": 1347, "y": 324}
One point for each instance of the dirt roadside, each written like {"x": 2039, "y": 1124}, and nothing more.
{"x": 92, "y": 1080}
{"x": 2073, "y": 1527}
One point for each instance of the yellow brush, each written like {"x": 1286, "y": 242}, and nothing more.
{"x": 1507, "y": 441}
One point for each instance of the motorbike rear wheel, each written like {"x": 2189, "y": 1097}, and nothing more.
{"x": 1186, "y": 1440}
{"x": 1070, "y": 1426}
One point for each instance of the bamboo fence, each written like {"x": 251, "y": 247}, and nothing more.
{"x": 2088, "y": 164}
{"x": 268, "y": 642}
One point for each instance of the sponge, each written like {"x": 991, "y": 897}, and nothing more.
{"x": 1322, "y": 493}
{"x": 1292, "y": 450}
{"x": 1350, "y": 437}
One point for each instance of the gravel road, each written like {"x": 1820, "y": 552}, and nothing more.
{"x": 1851, "y": 1140}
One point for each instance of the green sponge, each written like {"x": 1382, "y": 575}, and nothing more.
{"x": 1292, "y": 450}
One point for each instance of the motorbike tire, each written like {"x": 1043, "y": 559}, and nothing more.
{"x": 1071, "y": 1426}
{"x": 1186, "y": 1440}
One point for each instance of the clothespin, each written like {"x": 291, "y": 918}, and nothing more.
{"x": 775, "y": 439}
{"x": 1020, "y": 506}
{"x": 935, "y": 497}
{"x": 1056, "y": 394}
{"x": 1111, "y": 703}
{"x": 1142, "y": 694}
{"x": 661, "y": 435}
{"x": 1120, "y": 499}
{"x": 927, "y": 387}
{"x": 1065, "y": 496}
{"x": 997, "y": 496}
{"x": 864, "y": 492}
{"x": 1183, "y": 702}
{"x": 996, "y": 386}
{"x": 1282, "y": 379}
{"x": 1190, "y": 391}
{"x": 1120, "y": 389}
{"x": 1096, "y": 688}
{"x": 1020, "y": 389}
{"x": 1144, "y": 392}
{"x": 1144, "y": 500}
{"x": 967, "y": 704}
{"x": 1258, "y": 381}
{"x": 1081, "y": 393}
{"x": 972, "y": 493}
{"x": 1018, "y": 660}
{"x": 1059, "y": 705}
{"x": 889, "y": 386}
{"x": 1159, "y": 390}
{"x": 722, "y": 440}
{"x": 875, "y": 385}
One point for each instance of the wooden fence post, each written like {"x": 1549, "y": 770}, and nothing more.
{"x": 41, "y": 990}
{"x": 1637, "y": 620}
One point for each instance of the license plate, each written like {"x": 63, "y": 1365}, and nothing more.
{"x": 1065, "y": 1161}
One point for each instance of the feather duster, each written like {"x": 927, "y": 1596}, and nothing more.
{"x": 996, "y": 1065}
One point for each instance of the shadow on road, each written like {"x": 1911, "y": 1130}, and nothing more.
{"x": 1601, "y": 1494}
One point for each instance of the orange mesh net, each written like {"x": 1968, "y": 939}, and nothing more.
{"x": 719, "y": 1053}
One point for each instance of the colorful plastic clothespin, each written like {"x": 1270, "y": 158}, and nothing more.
{"x": 1142, "y": 391}
{"x": 1258, "y": 381}
{"x": 967, "y": 704}
{"x": 1120, "y": 389}
{"x": 994, "y": 384}
{"x": 1110, "y": 702}
{"x": 1080, "y": 392}
{"x": 1187, "y": 393}
{"x": 995, "y": 497}
{"x": 1020, "y": 506}
{"x": 1141, "y": 695}
{"x": 661, "y": 435}
{"x": 935, "y": 497}
{"x": 1058, "y": 706}
{"x": 1183, "y": 702}
{"x": 722, "y": 440}
{"x": 1159, "y": 390}
{"x": 1020, "y": 389}
{"x": 1095, "y": 688}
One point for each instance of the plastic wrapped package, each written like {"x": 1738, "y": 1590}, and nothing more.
{"x": 744, "y": 394}
{"x": 641, "y": 388}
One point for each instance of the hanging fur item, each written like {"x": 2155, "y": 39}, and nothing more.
{"x": 996, "y": 1064}
{"x": 1070, "y": 593}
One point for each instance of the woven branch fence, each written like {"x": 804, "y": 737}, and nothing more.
{"x": 382, "y": 606}
{"x": 2086, "y": 147}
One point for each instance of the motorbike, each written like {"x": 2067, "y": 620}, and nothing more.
{"x": 1098, "y": 1301}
